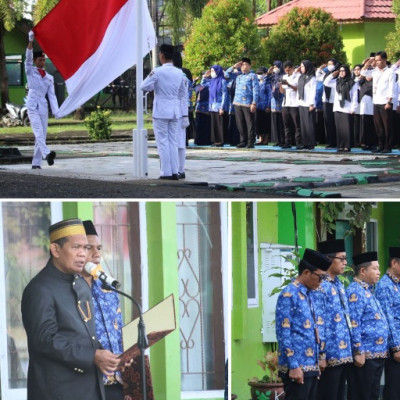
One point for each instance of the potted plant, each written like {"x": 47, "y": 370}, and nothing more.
{"x": 270, "y": 386}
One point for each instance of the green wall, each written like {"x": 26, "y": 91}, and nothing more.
{"x": 375, "y": 33}
{"x": 82, "y": 210}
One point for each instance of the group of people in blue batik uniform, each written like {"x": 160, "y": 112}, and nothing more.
{"x": 329, "y": 336}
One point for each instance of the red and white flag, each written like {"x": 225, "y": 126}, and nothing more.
{"x": 92, "y": 42}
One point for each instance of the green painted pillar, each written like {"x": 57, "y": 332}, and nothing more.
{"x": 78, "y": 209}
{"x": 163, "y": 280}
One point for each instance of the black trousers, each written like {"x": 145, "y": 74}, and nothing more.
{"x": 307, "y": 126}
{"x": 114, "y": 392}
{"x": 277, "y": 134}
{"x": 368, "y": 133}
{"x": 219, "y": 127}
{"x": 391, "y": 390}
{"x": 319, "y": 127}
{"x": 246, "y": 124}
{"x": 291, "y": 118}
{"x": 332, "y": 383}
{"x": 296, "y": 391}
{"x": 233, "y": 133}
{"x": 329, "y": 122}
{"x": 263, "y": 123}
{"x": 356, "y": 130}
{"x": 364, "y": 383}
{"x": 396, "y": 128}
{"x": 203, "y": 128}
{"x": 383, "y": 120}
{"x": 344, "y": 129}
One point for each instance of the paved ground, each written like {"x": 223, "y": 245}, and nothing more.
{"x": 211, "y": 173}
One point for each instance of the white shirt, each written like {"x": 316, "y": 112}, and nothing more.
{"x": 349, "y": 106}
{"x": 382, "y": 84}
{"x": 170, "y": 91}
{"x": 38, "y": 88}
{"x": 320, "y": 78}
{"x": 310, "y": 89}
{"x": 290, "y": 99}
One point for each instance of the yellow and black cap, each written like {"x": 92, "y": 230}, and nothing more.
{"x": 66, "y": 228}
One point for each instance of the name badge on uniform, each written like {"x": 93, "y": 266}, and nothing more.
{"x": 348, "y": 321}
{"x": 340, "y": 97}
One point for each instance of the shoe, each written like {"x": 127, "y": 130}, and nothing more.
{"x": 181, "y": 175}
{"x": 386, "y": 151}
{"x": 50, "y": 157}
{"x": 286, "y": 146}
{"x": 241, "y": 145}
{"x": 174, "y": 177}
{"x": 299, "y": 147}
{"x": 379, "y": 150}
{"x": 219, "y": 145}
{"x": 165, "y": 177}
{"x": 250, "y": 146}
{"x": 36, "y": 167}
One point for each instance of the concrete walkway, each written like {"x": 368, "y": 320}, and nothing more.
{"x": 315, "y": 173}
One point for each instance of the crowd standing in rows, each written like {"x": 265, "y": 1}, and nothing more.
{"x": 328, "y": 335}
{"x": 302, "y": 106}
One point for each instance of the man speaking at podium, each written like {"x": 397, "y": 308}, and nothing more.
{"x": 66, "y": 360}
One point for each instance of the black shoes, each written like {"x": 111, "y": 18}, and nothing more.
{"x": 250, "y": 146}
{"x": 50, "y": 157}
{"x": 181, "y": 175}
{"x": 241, "y": 145}
{"x": 36, "y": 167}
{"x": 286, "y": 146}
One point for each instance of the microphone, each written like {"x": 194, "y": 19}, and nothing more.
{"x": 97, "y": 272}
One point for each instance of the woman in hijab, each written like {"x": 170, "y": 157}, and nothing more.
{"x": 277, "y": 131}
{"x": 218, "y": 106}
{"x": 344, "y": 106}
{"x": 306, "y": 92}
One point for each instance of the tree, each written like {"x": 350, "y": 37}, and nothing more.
{"x": 42, "y": 8}
{"x": 305, "y": 34}
{"x": 393, "y": 38}
{"x": 10, "y": 13}
{"x": 225, "y": 33}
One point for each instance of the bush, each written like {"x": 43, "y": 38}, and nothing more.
{"x": 98, "y": 124}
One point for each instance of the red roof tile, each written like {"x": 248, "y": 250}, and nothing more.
{"x": 342, "y": 10}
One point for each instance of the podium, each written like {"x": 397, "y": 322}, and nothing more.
{"x": 159, "y": 320}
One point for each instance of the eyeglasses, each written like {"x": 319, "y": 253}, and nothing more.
{"x": 320, "y": 276}
{"x": 342, "y": 70}
{"x": 342, "y": 259}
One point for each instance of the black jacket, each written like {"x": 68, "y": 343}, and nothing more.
{"x": 61, "y": 343}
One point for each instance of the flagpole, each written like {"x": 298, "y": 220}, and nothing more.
{"x": 139, "y": 134}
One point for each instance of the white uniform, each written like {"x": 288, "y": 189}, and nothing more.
{"x": 170, "y": 93}
{"x": 37, "y": 106}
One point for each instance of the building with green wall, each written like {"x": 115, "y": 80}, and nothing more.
{"x": 154, "y": 249}
{"x": 264, "y": 224}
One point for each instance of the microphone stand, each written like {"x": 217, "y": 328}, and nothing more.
{"x": 142, "y": 337}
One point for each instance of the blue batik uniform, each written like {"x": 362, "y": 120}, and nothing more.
{"x": 388, "y": 293}
{"x": 276, "y": 98}
{"x": 370, "y": 330}
{"x": 264, "y": 100}
{"x": 202, "y": 98}
{"x": 221, "y": 102}
{"x": 296, "y": 324}
{"x": 330, "y": 299}
{"x": 247, "y": 88}
{"x": 108, "y": 317}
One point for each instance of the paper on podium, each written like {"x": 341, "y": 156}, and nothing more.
{"x": 159, "y": 321}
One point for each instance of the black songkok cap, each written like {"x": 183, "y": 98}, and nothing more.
{"x": 68, "y": 227}
{"x": 37, "y": 54}
{"x": 246, "y": 60}
{"x": 89, "y": 228}
{"x": 261, "y": 70}
{"x": 394, "y": 252}
{"x": 316, "y": 260}
{"x": 365, "y": 257}
{"x": 331, "y": 246}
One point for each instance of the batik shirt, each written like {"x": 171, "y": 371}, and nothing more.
{"x": 331, "y": 298}
{"x": 247, "y": 88}
{"x": 370, "y": 330}
{"x": 108, "y": 316}
{"x": 388, "y": 293}
{"x": 265, "y": 94}
{"x": 296, "y": 323}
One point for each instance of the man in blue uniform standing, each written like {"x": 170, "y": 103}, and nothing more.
{"x": 330, "y": 299}
{"x": 40, "y": 84}
{"x": 170, "y": 108}
{"x": 369, "y": 332}
{"x": 388, "y": 293}
{"x": 245, "y": 102}
{"x": 297, "y": 329}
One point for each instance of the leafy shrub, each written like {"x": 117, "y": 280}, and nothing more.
{"x": 98, "y": 124}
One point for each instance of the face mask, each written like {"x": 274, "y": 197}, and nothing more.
{"x": 276, "y": 70}
{"x": 260, "y": 76}
{"x": 331, "y": 68}
{"x": 213, "y": 74}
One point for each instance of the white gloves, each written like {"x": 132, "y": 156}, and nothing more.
{"x": 185, "y": 122}
{"x": 31, "y": 36}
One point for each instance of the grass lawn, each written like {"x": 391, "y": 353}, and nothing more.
{"x": 120, "y": 121}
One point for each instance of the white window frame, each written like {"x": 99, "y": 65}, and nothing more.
{"x": 253, "y": 302}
